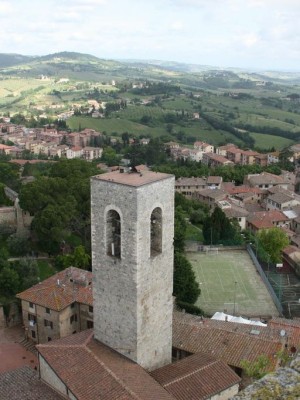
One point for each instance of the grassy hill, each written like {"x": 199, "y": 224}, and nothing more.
{"x": 252, "y": 109}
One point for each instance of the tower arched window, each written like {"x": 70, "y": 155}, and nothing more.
{"x": 156, "y": 232}
{"x": 113, "y": 234}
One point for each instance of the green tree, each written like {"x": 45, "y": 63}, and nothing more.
{"x": 60, "y": 203}
{"x": 186, "y": 288}
{"x": 17, "y": 246}
{"x": 217, "y": 228}
{"x": 4, "y": 200}
{"x": 110, "y": 157}
{"x": 273, "y": 241}
{"x": 79, "y": 259}
{"x": 9, "y": 281}
{"x": 258, "y": 368}
{"x": 179, "y": 230}
{"x": 9, "y": 175}
{"x": 28, "y": 272}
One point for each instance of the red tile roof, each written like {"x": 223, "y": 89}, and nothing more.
{"x": 93, "y": 371}
{"x": 214, "y": 179}
{"x": 61, "y": 290}
{"x": 244, "y": 189}
{"x": 266, "y": 219}
{"x": 196, "y": 377}
{"x": 24, "y": 384}
{"x": 194, "y": 335}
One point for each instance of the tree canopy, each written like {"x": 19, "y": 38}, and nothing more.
{"x": 186, "y": 288}
{"x": 273, "y": 241}
{"x": 217, "y": 228}
{"x": 60, "y": 204}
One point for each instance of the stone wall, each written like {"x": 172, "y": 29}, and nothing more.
{"x": 49, "y": 376}
{"x": 133, "y": 292}
{"x": 15, "y": 220}
{"x": 8, "y": 220}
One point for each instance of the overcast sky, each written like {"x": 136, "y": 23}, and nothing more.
{"x": 260, "y": 34}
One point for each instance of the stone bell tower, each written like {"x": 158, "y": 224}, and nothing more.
{"x": 132, "y": 252}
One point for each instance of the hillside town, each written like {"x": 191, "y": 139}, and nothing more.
{"x": 78, "y": 327}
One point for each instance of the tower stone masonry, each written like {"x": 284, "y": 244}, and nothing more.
{"x": 132, "y": 218}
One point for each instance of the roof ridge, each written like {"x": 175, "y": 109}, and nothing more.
{"x": 268, "y": 339}
{"x": 121, "y": 382}
{"x": 193, "y": 372}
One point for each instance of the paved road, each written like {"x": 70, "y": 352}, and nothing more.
{"x": 12, "y": 354}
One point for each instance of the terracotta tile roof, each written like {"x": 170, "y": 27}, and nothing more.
{"x": 290, "y": 250}
{"x": 281, "y": 197}
{"x": 24, "y": 384}
{"x": 190, "y": 181}
{"x": 196, "y": 377}
{"x": 235, "y": 212}
{"x": 202, "y": 144}
{"x": 227, "y": 146}
{"x": 234, "y": 150}
{"x": 266, "y": 219}
{"x": 61, "y": 290}
{"x": 291, "y": 328}
{"x": 216, "y": 194}
{"x": 250, "y": 153}
{"x": 229, "y": 345}
{"x": 265, "y": 178}
{"x": 218, "y": 158}
{"x": 214, "y": 179}
{"x": 244, "y": 189}
{"x": 76, "y": 148}
{"x": 93, "y": 371}
{"x": 261, "y": 156}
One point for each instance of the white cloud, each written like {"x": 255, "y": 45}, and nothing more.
{"x": 199, "y": 31}
{"x": 250, "y": 40}
{"x": 177, "y": 26}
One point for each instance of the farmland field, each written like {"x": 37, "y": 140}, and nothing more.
{"x": 265, "y": 141}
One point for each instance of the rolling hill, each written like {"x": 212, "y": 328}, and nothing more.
{"x": 250, "y": 108}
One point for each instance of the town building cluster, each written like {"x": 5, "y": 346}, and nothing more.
{"x": 229, "y": 154}
{"x": 264, "y": 200}
{"x": 127, "y": 300}
{"x": 49, "y": 142}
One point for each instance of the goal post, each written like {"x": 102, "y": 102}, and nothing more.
{"x": 211, "y": 251}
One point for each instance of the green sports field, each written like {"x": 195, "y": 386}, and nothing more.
{"x": 217, "y": 274}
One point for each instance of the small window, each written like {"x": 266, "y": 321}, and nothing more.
{"x": 48, "y": 323}
{"x": 156, "y": 232}
{"x": 89, "y": 324}
{"x": 31, "y": 318}
{"x": 48, "y": 310}
{"x": 72, "y": 305}
{"x": 49, "y": 339}
{"x": 33, "y": 335}
{"x": 31, "y": 305}
{"x": 113, "y": 234}
{"x": 91, "y": 309}
{"x": 73, "y": 318}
